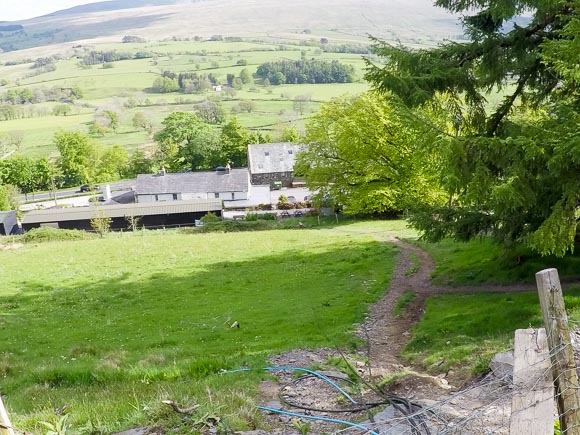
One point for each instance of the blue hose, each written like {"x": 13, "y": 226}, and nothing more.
{"x": 312, "y": 417}
{"x": 299, "y": 369}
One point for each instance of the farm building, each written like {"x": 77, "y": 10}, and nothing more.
{"x": 223, "y": 183}
{"x": 8, "y": 223}
{"x": 151, "y": 215}
{"x": 272, "y": 163}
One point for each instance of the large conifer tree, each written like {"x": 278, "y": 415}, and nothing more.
{"x": 511, "y": 169}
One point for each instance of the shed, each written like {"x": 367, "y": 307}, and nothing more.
{"x": 151, "y": 215}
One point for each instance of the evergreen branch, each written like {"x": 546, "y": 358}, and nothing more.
{"x": 506, "y": 106}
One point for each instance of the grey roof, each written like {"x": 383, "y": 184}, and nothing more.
{"x": 237, "y": 180}
{"x": 121, "y": 210}
{"x": 269, "y": 158}
{"x": 4, "y": 215}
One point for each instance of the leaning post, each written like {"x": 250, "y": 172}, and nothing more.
{"x": 561, "y": 355}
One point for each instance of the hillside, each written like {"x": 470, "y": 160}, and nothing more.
{"x": 415, "y": 22}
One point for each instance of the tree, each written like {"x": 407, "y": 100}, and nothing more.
{"x": 300, "y": 103}
{"x": 245, "y": 76}
{"x": 77, "y": 157}
{"x": 140, "y": 121}
{"x": 8, "y": 197}
{"x": 100, "y": 223}
{"x": 187, "y": 143}
{"x": 113, "y": 164}
{"x": 361, "y": 154}
{"x": 139, "y": 163}
{"x": 512, "y": 171}
{"x": 234, "y": 143}
{"x": 290, "y": 134}
{"x": 247, "y": 106}
{"x": 210, "y": 112}
{"x": 164, "y": 85}
{"x": 112, "y": 118}
{"x": 61, "y": 109}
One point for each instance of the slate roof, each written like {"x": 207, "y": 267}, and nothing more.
{"x": 121, "y": 210}
{"x": 269, "y": 158}
{"x": 237, "y": 180}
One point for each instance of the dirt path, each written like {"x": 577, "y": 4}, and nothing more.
{"x": 386, "y": 335}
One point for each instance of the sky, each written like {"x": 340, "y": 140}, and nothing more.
{"x": 11, "y": 10}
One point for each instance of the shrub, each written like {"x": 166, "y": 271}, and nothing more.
{"x": 210, "y": 217}
{"x": 47, "y": 234}
{"x": 285, "y": 206}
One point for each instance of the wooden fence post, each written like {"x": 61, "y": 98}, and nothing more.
{"x": 533, "y": 399}
{"x": 5, "y": 425}
{"x": 562, "y": 357}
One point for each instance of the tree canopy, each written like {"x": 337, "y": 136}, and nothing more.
{"x": 510, "y": 169}
{"x": 362, "y": 154}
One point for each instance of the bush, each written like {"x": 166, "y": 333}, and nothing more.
{"x": 210, "y": 217}
{"x": 47, "y": 234}
{"x": 285, "y": 206}
{"x": 260, "y": 216}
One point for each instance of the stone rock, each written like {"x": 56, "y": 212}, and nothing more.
{"x": 334, "y": 374}
{"x": 502, "y": 364}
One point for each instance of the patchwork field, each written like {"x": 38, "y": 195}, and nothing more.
{"x": 125, "y": 88}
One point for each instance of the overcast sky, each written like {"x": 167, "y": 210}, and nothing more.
{"x": 11, "y": 10}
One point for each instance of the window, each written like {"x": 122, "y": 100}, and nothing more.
{"x": 233, "y": 196}
{"x": 156, "y": 197}
{"x": 216, "y": 195}
{"x": 289, "y": 151}
{"x": 267, "y": 153}
{"x": 175, "y": 196}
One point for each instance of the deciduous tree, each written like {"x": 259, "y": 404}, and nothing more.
{"x": 362, "y": 154}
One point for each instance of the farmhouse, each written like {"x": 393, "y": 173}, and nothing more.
{"x": 272, "y": 163}
{"x": 223, "y": 183}
{"x": 8, "y": 223}
{"x": 151, "y": 215}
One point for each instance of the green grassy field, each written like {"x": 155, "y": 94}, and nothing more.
{"x": 482, "y": 261}
{"x": 113, "y": 87}
{"x": 463, "y": 332}
{"x": 109, "y": 327}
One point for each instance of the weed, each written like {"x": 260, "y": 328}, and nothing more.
{"x": 415, "y": 264}
{"x": 403, "y": 302}
{"x": 303, "y": 427}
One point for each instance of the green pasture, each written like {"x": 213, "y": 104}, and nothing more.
{"x": 111, "y": 88}
{"x": 109, "y": 327}
{"x": 463, "y": 332}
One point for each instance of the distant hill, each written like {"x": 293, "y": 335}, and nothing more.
{"x": 413, "y": 22}
{"x": 111, "y": 5}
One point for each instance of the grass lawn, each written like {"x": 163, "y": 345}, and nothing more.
{"x": 464, "y": 331}
{"x": 482, "y": 261}
{"x": 109, "y": 327}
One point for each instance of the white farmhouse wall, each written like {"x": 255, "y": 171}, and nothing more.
{"x": 198, "y": 195}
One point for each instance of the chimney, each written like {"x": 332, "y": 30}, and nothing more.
{"x": 107, "y": 192}
{"x": 163, "y": 171}
{"x": 228, "y": 168}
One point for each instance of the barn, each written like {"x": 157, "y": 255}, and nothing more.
{"x": 150, "y": 215}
